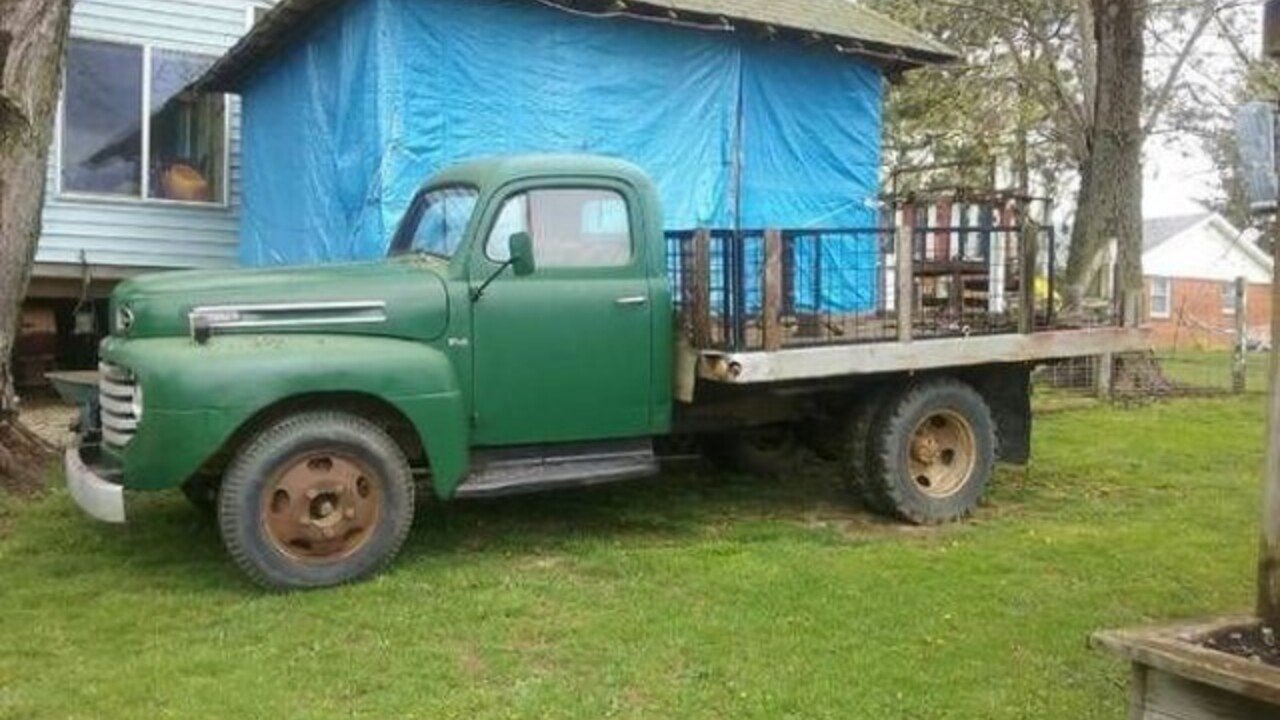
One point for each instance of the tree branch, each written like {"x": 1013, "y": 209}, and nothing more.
{"x": 1166, "y": 88}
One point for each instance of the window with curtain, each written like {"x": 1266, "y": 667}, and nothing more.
{"x": 180, "y": 153}
{"x": 188, "y": 131}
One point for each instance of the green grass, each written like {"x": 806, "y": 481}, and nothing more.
{"x": 692, "y": 596}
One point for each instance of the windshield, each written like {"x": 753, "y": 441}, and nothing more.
{"x": 436, "y": 222}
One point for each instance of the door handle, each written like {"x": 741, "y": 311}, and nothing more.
{"x": 632, "y": 301}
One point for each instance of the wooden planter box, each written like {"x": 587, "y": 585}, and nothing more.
{"x": 1176, "y": 678}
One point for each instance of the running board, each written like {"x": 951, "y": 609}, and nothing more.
{"x": 518, "y": 471}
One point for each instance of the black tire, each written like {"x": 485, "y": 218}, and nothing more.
{"x": 918, "y": 478}
{"x": 767, "y": 451}
{"x": 856, "y": 455}
{"x": 244, "y": 509}
{"x": 202, "y": 492}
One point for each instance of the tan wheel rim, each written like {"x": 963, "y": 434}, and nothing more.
{"x": 943, "y": 454}
{"x": 322, "y": 507}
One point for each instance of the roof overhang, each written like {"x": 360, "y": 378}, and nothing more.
{"x": 887, "y": 44}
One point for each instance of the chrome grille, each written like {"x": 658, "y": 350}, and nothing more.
{"x": 117, "y": 396}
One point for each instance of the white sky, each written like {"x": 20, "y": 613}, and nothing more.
{"x": 1177, "y": 175}
{"x": 1177, "y": 170}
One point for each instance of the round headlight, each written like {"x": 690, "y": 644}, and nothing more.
{"x": 124, "y": 318}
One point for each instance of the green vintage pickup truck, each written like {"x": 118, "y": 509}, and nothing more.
{"x": 531, "y": 328}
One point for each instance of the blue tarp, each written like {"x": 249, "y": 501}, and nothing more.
{"x": 342, "y": 128}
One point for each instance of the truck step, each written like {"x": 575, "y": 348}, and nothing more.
{"x": 518, "y": 471}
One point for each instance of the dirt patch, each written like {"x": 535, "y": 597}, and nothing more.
{"x": 1258, "y": 643}
{"x": 25, "y": 459}
{"x": 49, "y": 419}
{"x": 29, "y": 447}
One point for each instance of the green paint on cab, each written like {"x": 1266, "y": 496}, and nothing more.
{"x": 578, "y": 349}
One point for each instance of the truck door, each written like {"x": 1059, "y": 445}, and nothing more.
{"x": 563, "y": 354}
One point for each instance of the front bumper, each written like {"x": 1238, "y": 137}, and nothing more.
{"x": 95, "y": 494}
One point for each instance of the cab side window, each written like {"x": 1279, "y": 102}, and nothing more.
{"x": 570, "y": 228}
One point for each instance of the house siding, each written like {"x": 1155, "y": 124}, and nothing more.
{"x": 1196, "y": 318}
{"x": 146, "y": 234}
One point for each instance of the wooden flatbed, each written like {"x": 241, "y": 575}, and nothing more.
{"x": 825, "y": 361}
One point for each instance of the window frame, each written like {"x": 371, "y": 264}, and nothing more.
{"x": 503, "y": 198}
{"x": 1229, "y": 291}
{"x": 412, "y": 213}
{"x": 144, "y": 184}
{"x": 1168, "y": 296}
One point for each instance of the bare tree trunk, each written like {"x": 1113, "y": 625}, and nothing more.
{"x": 1110, "y": 202}
{"x": 1088, "y": 60}
{"x": 32, "y": 40}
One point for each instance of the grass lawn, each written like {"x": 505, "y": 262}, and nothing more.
{"x": 692, "y": 596}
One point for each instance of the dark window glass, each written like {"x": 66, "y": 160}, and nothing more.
{"x": 188, "y": 131}
{"x": 101, "y": 136}
{"x": 570, "y": 228}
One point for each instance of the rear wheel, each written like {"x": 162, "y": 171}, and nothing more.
{"x": 318, "y": 499}
{"x": 931, "y": 452}
{"x": 767, "y": 450}
{"x": 855, "y": 458}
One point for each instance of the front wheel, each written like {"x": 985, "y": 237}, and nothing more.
{"x": 931, "y": 452}
{"x": 318, "y": 499}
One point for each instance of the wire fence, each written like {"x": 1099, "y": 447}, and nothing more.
{"x": 1159, "y": 373}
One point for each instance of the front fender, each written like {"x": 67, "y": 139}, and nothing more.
{"x": 195, "y": 396}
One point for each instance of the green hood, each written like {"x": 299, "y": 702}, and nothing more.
{"x": 397, "y": 298}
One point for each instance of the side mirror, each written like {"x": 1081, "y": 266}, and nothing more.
{"x": 520, "y": 246}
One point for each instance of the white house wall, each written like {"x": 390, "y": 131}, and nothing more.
{"x": 134, "y": 232}
{"x": 1207, "y": 251}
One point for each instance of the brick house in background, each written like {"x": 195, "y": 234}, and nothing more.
{"x": 1190, "y": 263}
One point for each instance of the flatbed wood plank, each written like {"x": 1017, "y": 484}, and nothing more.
{"x": 822, "y": 361}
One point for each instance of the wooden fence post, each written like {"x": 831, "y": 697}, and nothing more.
{"x": 1027, "y": 271}
{"x": 1104, "y": 375}
{"x": 1240, "y": 360}
{"x": 905, "y": 286}
{"x": 772, "y": 308}
{"x": 699, "y": 289}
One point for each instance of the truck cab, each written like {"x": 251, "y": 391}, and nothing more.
{"x": 566, "y": 336}
{"x": 523, "y": 305}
